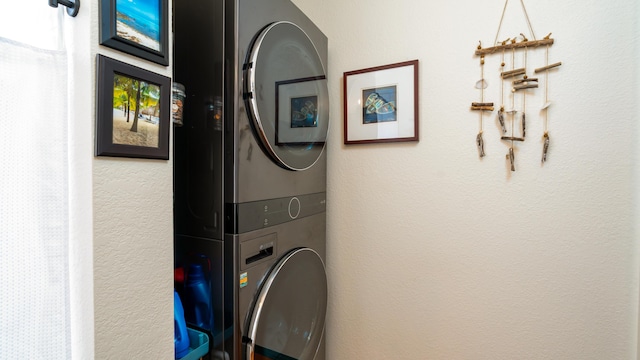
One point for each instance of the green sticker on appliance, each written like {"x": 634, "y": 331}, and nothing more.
{"x": 244, "y": 281}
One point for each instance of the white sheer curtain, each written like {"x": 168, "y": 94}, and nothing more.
{"x": 34, "y": 210}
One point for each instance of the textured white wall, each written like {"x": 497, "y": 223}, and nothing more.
{"x": 133, "y": 243}
{"x": 435, "y": 254}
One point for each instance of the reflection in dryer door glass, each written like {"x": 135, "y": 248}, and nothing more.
{"x": 304, "y": 111}
{"x": 301, "y": 113}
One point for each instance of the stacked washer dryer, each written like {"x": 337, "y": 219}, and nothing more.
{"x": 250, "y": 176}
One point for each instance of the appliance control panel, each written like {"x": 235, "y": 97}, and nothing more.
{"x": 261, "y": 214}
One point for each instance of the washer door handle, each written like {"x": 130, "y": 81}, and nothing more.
{"x": 249, "y": 350}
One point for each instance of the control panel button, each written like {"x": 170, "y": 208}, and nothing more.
{"x": 294, "y": 207}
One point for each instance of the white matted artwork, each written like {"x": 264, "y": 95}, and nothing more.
{"x": 301, "y": 111}
{"x": 381, "y": 104}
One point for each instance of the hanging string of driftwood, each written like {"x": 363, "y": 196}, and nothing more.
{"x": 520, "y": 84}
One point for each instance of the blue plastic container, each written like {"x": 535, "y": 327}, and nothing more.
{"x": 199, "y": 345}
{"x": 197, "y": 308}
{"x": 181, "y": 340}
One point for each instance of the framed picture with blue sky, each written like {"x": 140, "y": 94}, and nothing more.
{"x": 136, "y": 27}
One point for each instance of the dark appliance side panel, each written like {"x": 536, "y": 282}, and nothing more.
{"x": 198, "y": 144}
{"x": 199, "y": 64}
{"x": 231, "y": 102}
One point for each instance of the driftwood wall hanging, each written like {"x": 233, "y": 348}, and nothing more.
{"x": 516, "y": 84}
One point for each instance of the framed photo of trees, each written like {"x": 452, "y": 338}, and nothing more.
{"x": 133, "y": 111}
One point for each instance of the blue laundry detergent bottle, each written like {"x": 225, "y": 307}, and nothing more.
{"x": 198, "y": 298}
{"x": 180, "y": 335}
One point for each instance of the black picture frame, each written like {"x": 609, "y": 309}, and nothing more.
{"x": 148, "y": 41}
{"x": 140, "y": 130}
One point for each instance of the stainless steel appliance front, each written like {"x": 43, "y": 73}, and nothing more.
{"x": 249, "y": 162}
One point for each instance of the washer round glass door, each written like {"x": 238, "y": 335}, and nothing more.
{"x": 285, "y": 87}
{"x": 287, "y": 321}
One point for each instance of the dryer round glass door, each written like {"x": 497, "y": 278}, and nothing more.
{"x": 285, "y": 88}
{"x": 287, "y": 321}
